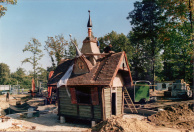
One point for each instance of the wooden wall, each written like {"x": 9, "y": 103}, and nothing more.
{"x": 107, "y": 103}
{"x": 65, "y": 105}
{"x": 119, "y": 101}
{"x": 66, "y": 108}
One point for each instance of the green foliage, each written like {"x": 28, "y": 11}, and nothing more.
{"x": 4, "y": 74}
{"x": 119, "y": 43}
{"x": 162, "y": 27}
{"x": 146, "y": 21}
{"x": 34, "y": 48}
{"x": 177, "y": 55}
{"x": 141, "y": 63}
{"x": 55, "y": 46}
{"x": 177, "y": 39}
{"x": 3, "y": 9}
{"x": 20, "y": 78}
{"x": 43, "y": 77}
{"x": 58, "y": 48}
{"x": 71, "y": 49}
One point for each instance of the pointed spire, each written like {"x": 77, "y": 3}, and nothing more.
{"x": 78, "y": 53}
{"x": 89, "y": 21}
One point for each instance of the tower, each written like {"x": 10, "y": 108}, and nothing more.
{"x": 90, "y": 44}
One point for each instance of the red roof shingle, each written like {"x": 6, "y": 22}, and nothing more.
{"x": 100, "y": 74}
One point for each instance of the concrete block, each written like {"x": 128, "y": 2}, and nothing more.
{"x": 93, "y": 123}
{"x": 30, "y": 114}
{"x": 62, "y": 119}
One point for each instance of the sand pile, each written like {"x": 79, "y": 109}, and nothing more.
{"x": 179, "y": 116}
{"x": 118, "y": 123}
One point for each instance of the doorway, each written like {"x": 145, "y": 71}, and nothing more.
{"x": 113, "y": 103}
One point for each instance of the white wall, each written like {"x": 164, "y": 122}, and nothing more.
{"x": 118, "y": 81}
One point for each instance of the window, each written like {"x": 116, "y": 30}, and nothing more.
{"x": 83, "y": 95}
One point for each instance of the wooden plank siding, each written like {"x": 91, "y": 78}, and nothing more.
{"x": 107, "y": 98}
{"x": 119, "y": 99}
{"x": 66, "y": 108}
{"x": 97, "y": 112}
{"x": 84, "y": 111}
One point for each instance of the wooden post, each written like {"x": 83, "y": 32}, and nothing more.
{"x": 58, "y": 99}
{"x": 123, "y": 105}
{"x": 103, "y": 107}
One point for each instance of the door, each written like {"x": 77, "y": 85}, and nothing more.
{"x": 113, "y": 103}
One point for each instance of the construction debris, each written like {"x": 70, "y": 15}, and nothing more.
{"x": 5, "y": 122}
{"x": 178, "y": 116}
{"x": 118, "y": 123}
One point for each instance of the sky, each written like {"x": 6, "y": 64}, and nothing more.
{"x": 46, "y": 18}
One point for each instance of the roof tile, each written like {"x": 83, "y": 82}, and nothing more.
{"x": 100, "y": 74}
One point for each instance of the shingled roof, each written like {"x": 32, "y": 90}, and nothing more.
{"x": 102, "y": 73}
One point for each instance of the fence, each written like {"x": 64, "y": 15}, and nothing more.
{"x": 5, "y": 87}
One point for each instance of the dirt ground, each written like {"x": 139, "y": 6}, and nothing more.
{"x": 12, "y": 101}
{"x": 48, "y": 121}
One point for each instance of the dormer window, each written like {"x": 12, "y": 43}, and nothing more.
{"x": 81, "y": 65}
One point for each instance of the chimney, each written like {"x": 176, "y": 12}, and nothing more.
{"x": 90, "y": 44}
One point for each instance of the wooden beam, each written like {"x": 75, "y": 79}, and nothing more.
{"x": 77, "y": 110}
{"x": 100, "y": 101}
{"x": 103, "y": 110}
{"x": 123, "y": 101}
{"x": 96, "y": 53}
{"x": 59, "y": 108}
{"x": 145, "y": 112}
{"x": 92, "y": 111}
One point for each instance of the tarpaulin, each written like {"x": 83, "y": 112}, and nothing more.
{"x": 64, "y": 79}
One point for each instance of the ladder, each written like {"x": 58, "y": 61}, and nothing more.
{"x": 129, "y": 102}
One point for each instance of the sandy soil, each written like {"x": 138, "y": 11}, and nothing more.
{"x": 12, "y": 101}
{"x": 48, "y": 120}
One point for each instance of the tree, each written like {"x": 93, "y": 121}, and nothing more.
{"x": 119, "y": 43}
{"x": 18, "y": 75}
{"x": 4, "y": 74}
{"x": 71, "y": 53}
{"x": 141, "y": 66}
{"x": 177, "y": 55}
{"x": 55, "y": 46}
{"x": 146, "y": 21}
{"x": 177, "y": 39}
{"x": 43, "y": 77}
{"x": 20, "y": 78}
{"x": 3, "y": 9}
{"x": 34, "y": 48}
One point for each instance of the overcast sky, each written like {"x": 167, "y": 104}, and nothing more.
{"x": 43, "y": 18}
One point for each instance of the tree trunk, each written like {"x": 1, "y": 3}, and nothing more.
{"x": 153, "y": 66}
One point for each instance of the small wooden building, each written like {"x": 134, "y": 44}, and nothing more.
{"x": 94, "y": 91}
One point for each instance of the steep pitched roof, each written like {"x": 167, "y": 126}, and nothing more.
{"x": 60, "y": 71}
{"x": 102, "y": 73}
